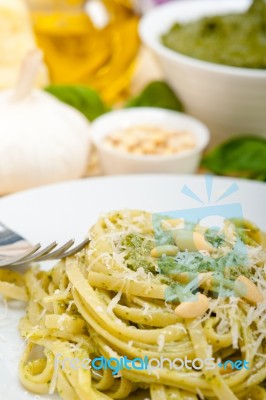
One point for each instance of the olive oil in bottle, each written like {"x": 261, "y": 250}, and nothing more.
{"x": 93, "y": 43}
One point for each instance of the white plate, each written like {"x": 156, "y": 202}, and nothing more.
{"x": 67, "y": 210}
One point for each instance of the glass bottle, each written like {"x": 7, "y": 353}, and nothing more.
{"x": 92, "y": 42}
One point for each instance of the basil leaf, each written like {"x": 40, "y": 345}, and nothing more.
{"x": 243, "y": 156}
{"x": 82, "y": 98}
{"x": 157, "y": 94}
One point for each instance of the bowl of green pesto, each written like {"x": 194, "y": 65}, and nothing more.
{"x": 234, "y": 39}
{"x": 213, "y": 54}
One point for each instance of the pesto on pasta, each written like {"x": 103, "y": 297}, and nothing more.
{"x": 120, "y": 296}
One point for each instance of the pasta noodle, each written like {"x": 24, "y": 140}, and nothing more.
{"x": 115, "y": 300}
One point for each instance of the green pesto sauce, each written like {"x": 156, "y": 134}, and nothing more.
{"x": 236, "y": 39}
{"x": 138, "y": 252}
{"x": 226, "y": 268}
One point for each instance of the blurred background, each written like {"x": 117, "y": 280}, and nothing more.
{"x": 99, "y": 56}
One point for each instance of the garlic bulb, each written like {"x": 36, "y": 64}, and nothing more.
{"x": 16, "y": 39}
{"x": 41, "y": 139}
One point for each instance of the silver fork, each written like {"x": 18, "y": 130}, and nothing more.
{"x": 16, "y": 250}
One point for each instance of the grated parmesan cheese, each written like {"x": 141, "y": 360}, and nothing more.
{"x": 54, "y": 381}
{"x": 161, "y": 342}
{"x": 115, "y": 300}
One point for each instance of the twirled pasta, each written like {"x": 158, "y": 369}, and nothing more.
{"x": 99, "y": 303}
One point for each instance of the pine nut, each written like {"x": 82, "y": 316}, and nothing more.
{"x": 201, "y": 243}
{"x": 191, "y": 241}
{"x": 193, "y": 309}
{"x": 181, "y": 277}
{"x": 248, "y": 290}
{"x": 204, "y": 278}
{"x": 151, "y": 140}
{"x": 168, "y": 250}
{"x": 170, "y": 224}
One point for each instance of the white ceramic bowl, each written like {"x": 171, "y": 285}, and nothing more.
{"x": 229, "y": 100}
{"x": 116, "y": 162}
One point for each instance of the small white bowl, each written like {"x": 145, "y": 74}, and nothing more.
{"x": 230, "y": 100}
{"x": 117, "y": 162}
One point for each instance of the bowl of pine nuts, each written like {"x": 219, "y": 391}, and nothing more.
{"x": 149, "y": 140}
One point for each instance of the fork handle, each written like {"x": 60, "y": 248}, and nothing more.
{"x": 11, "y": 242}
